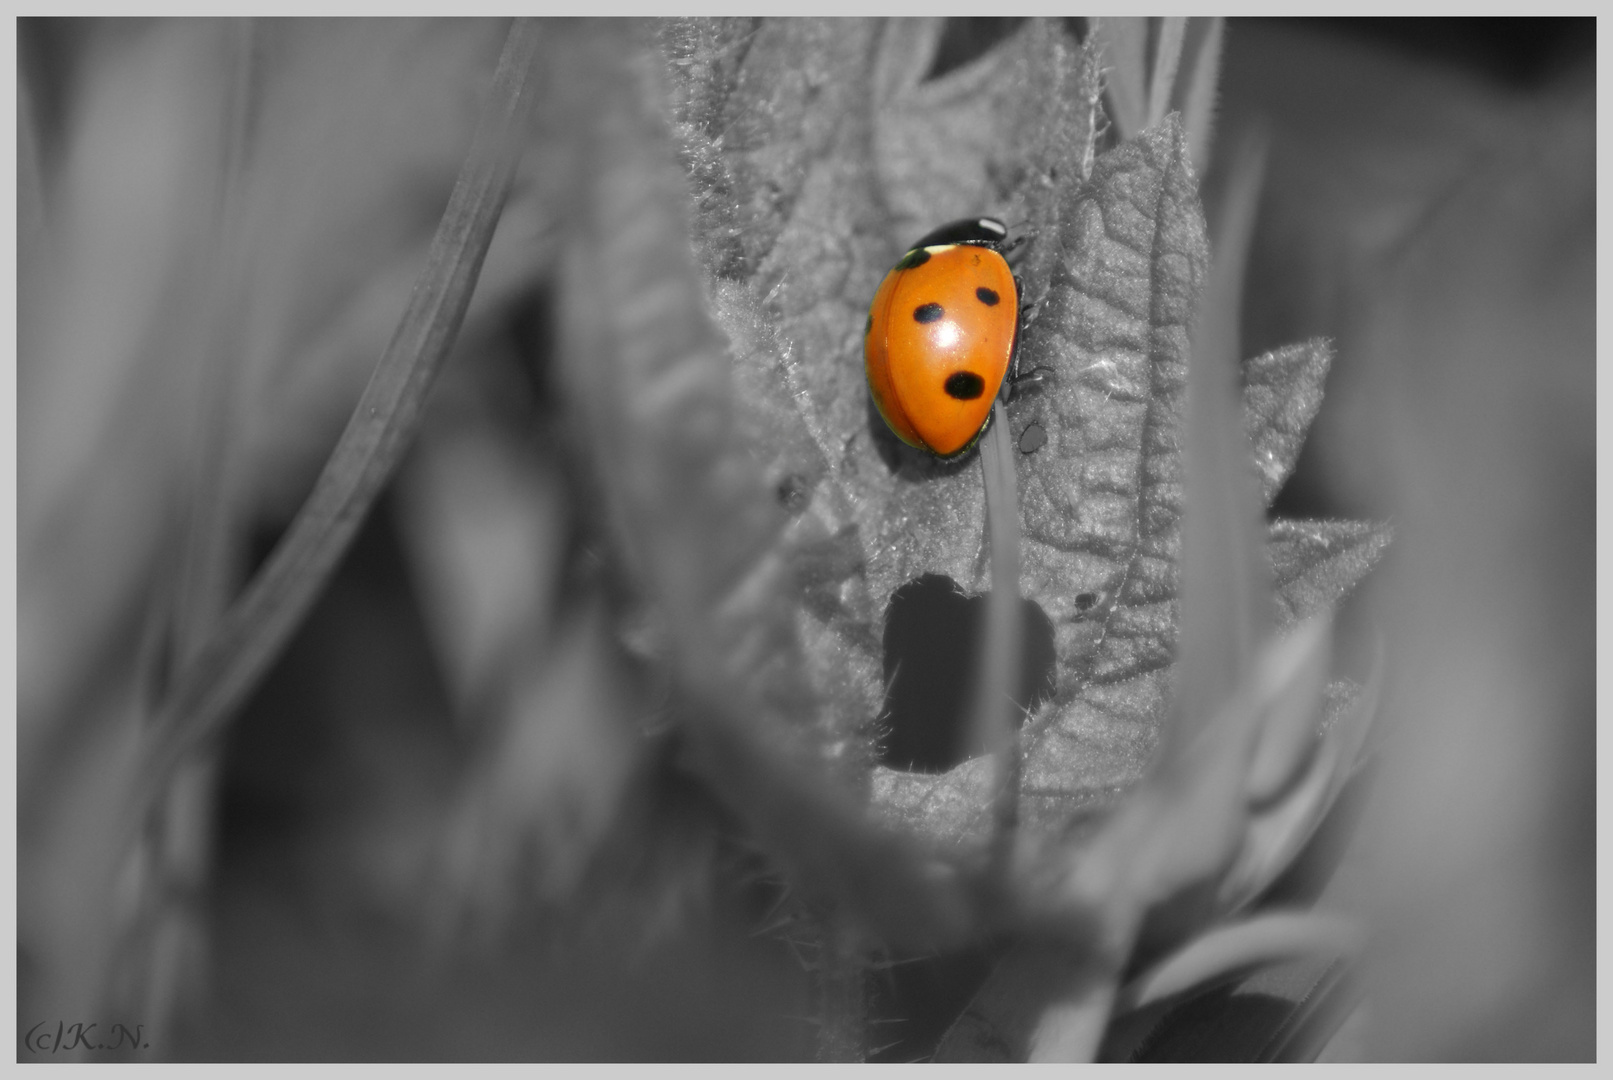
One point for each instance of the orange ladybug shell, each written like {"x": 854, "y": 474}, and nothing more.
{"x": 938, "y": 344}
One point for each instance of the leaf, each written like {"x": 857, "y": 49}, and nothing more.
{"x": 815, "y": 260}
{"x": 1002, "y": 135}
{"x": 918, "y": 516}
{"x": 1229, "y": 703}
{"x": 1101, "y": 499}
{"x": 726, "y": 78}
{"x": 645, "y": 368}
{"x": 1281, "y": 393}
{"x": 694, "y": 516}
{"x": 1137, "y": 847}
{"x": 1121, "y": 261}
{"x": 1081, "y": 773}
{"x": 1161, "y": 854}
{"x": 1317, "y": 562}
{"x": 773, "y": 164}
{"x": 1188, "y": 824}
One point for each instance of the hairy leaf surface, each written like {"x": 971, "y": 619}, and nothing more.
{"x": 816, "y": 151}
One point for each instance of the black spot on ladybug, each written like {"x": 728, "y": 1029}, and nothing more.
{"x": 987, "y": 296}
{"x": 916, "y": 257}
{"x": 869, "y": 329}
{"x": 965, "y": 385}
{"x": 1032, "y": 440}
{"x": 928, "y": 313}
{"x": 1085, "y": 601}
{"x": 793, "y": 494}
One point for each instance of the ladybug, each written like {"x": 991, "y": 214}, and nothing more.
{"x": 942, "y": 336}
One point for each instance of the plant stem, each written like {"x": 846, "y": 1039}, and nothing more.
{"x": 842, "y": 978}
{"x": 995, "y": 710}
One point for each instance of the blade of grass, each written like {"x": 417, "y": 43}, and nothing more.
{"x": 1172, "y": 30}
{"x": 1277, "y": 834}
{"x": 1043, "y": 1001}
{"x": 1090, "y": 82}
{"x": 1184, "y": 825}
{"x": 1071, "y": 1029}
{"x": 1000, "y": 648}
{"x": 1316, "y": 1018}
{"x": 161, "y": 940}
{"x": 204, "y": 585}
{"x": 31, "y": 210}
{"x": 1124, "y": 41}
{"x": 259, "y": 623}
{"x": 1227, "y": 607}
{"x": 1195, "y": 92}
{"x": 1229, "y": 951}
{"x": 1290, "y": 734}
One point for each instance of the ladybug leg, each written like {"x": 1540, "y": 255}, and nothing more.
{"x": 1018, "y": 381}
{"x": 1034, "y": 379}
{"x": 1007, "y": 391}
{"x": 1019, "y": 291}
{"x": 1013, "y": 249}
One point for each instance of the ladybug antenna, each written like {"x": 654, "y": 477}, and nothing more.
{"x": 1017, "y": 236}
{"x": 1013, "y": 244}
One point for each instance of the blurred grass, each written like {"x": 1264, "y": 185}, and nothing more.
{"x": 1442, "y": 226}
{"x": 1437, "y": 224}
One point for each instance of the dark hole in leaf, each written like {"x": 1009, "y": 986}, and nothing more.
{"x": 1031, "y": 440}
{"x": 1085, "y": 601}
{"x": 932, "y": 643}
{"x": 966, "y": 39}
